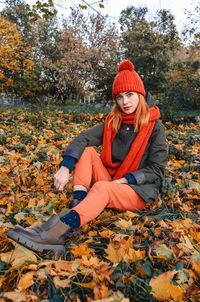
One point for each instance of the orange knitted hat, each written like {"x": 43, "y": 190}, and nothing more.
{"x": 127, "y": 79}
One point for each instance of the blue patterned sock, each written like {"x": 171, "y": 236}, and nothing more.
{"x": 80, "y": 195}
{"x": 72, "y": 219}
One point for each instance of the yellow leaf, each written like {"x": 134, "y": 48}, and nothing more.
{"x": 123, "y": 251}
{"x": 81, "y": 250}
{"x": 163, "y": 250}
{"x": 113, "y": 254}
{"x": 187, "y": 242}
{"x": 32, "y": 222}
{"x": 19, "y": 297}
{"x": 163, "y": 289}
{"x": 9, "y": 208}
{"x": 136, "y": 255}
{"x": 196, "y": 263}
{"x": 181, "y": 224}
{"x": 19, "y": 216}
{"x": 179, "y": 182}
{"x": 26, "y": 281}
{"x": 91, "y": 261}
{"x": 123, "y": 224}
{"x": 90, "y": 285}
{"x": 62, "y": 265}
{"x": 131, "y": 214}
{"x": 19, "y": 256}
{"x": 185, "y": 278}
{"x": 61, "y": 283}
{"x": 85, "y": 227}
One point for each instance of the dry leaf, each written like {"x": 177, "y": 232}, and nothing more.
{"x": 19, "y": 256}
{"x": 196, "y": 263}
{"x": 19, "y": 297}
{"x": 163, "y": 289}
{"x": 123, "y": 224}
{"x": 26, "y": 281}
{"x": 63, "y": 283}
{"x": 163, "y": 250}
{"x": 81, "y": 250}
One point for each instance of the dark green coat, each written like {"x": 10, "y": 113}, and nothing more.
{"x": 154, "y": 159}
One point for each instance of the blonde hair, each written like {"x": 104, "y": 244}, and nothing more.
{"x": 141, "y": 117}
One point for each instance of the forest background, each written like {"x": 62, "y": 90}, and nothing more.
{"x": 46, "y": 57}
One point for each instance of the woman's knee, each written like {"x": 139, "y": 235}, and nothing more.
{"x": 89, "y": 150}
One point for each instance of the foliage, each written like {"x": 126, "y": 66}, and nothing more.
{"x": 46, "y": 9}
{"x": 149, "y": 255}
{"x": 86, "y": 46}
{"x": 149, "y": 44}
{"x": 184, "y": 88}
{"x": 16, "y": 60}
{"x": 80, "y": 55}
{"x": 17, "y": 12}
{"x": 42, "y": 36}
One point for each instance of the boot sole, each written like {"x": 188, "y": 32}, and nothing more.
{"x": 38, "y": 247}
{"x": 74, "y": 233}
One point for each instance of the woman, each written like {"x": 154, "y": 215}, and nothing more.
{"x": 133, "y": 158}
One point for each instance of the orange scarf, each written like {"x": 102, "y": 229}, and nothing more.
{"x": 134, "y": 156}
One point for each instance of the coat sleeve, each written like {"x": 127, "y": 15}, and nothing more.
{"x": 156, "y": 161}
{"x": 91, "y": 137}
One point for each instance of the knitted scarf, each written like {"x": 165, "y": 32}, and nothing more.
{"x": 134, "y": 156}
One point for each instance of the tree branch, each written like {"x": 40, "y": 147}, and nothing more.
{"x": 93, "y": 8}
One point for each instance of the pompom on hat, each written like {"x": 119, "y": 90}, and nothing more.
{"x": 127, "y": 79}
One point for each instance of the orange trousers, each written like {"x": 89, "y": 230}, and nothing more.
{"x": 89, "y": 170}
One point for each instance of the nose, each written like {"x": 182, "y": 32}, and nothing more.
{"x": 125, "y": 100}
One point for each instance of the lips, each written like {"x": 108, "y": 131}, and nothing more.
{"x": 126, "y": 108}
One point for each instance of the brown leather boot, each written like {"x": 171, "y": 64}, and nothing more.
{"x": 50, "y": 235}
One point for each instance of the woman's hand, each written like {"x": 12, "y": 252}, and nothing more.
{"x": 122, "y": 180}
{"x": 61, "y": 178}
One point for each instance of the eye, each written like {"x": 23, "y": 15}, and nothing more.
{"x": 130, "y": 93}
{"x": 118, "y": 97}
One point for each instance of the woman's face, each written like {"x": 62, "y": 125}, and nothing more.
{"x": 127, "y": 101}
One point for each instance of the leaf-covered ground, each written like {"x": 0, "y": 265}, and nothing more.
{"x": 150, "y": 255}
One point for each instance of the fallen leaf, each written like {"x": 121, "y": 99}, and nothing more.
{"x": 19, "y": 297}
{"x": 19, "y": 256}
{"x": 163, "y": 289}
{"x": 81, "y": 250}
{"x": 26, "y": 281}
{"x": 196, "y": 263}
{"x": 63, "y": 283}
{"x": 164, "y": 251}
{"x": 123, "y": 224}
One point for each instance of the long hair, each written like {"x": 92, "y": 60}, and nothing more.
{"x": 141, "y": 115}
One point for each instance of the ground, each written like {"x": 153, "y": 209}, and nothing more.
{"x": 150, "y": 255}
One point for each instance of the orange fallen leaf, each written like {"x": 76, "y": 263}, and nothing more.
{"x": 113, "y": 254}
{"x": 26, "y": 281}
{"x": 90, "y": 285}
{"x": 61, "y": 282}
{"x": 81, "y": 250}
{"x": 196, "y": 263}
{"x": 19, "y": 256}
{"x": 163, "y": 289}
{"x": 62, "y": 265}
{"x": 123, "y": 251}
{"x": 124, "y": 224}
{"x": 136, "y": 255}
{"x": 19, "y": 297}
{"x": 9, "y": 209}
